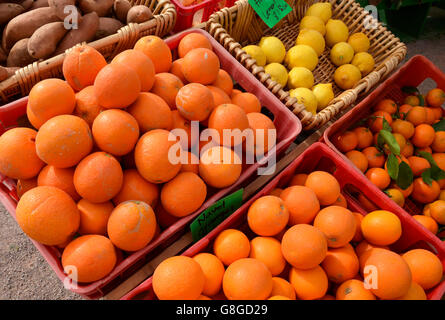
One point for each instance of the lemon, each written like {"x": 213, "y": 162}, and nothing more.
{"x": 323, "y": 10}
{"x": 341, "y": 53}
{"x": 273, "y": 48}
{"x": 346, "y": 76}
{"x": 336, "y": 31}
{"x": 324, "y": 94}
{"x": 301, "y": 56}
{"x": 277, "y": 72}
{"x": 359, "y": 42}
{"x": 256, "y": 53}
{"x": 312, "y": 38}
{"x": 300, "y": 77}
{"x": 364, "y": 62}
{"x": 313, "y": 23}
{"x": 305, "y": 97}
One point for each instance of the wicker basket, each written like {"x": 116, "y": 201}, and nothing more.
{"x": 25, "y": 78}
{"x": 239, "y": 26}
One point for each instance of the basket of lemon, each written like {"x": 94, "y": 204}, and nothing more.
{"x": 317, "y": 60}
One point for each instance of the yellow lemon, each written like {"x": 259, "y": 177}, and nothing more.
{"x": 396, "y": 196}
{"x": 256, "y": 53}
{"x": 324, "y": 94}
{"x": 277, "y": 72}
{"x": 312, "y": 38}
{"x": 313, "y": 23}
{"x": 341, "y": 53}
{"x": 305, "y": 97}
{"x": 364, "y": 62}
{"x": 336, "y": 31}
{"x": 301, "y": 56}
{"x": 273, "y": 48}
{"x": 323, "y": 10}
{"x": 300, "y": 77}
{"x": 359, "y": 42}
{"x": 346, "y": 76}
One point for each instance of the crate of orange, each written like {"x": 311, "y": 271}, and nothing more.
{"x": 97, "y": 159}
{"x": 306, "y": 236}
{"x": 395, "y": 137}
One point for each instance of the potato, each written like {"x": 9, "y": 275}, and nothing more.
{"x": 45, "y": 39}
{"x": 59, "y": 6}
{"x": 9, "y": 11}
{"x": 6, "y": 72}
{"x": 39, "y": 4}
{"x": 101, "y": 7}
{"x": 139, "y": 14}
{"x": 24, "y": 25}
{"x": 121, "y": 8}
{"x": 88, "y": 25}
{"x": 19, "y": 55}
{"x": 107, "y": 26}
{"x": 3, "y": 56}
{"x": 27, "y": 4}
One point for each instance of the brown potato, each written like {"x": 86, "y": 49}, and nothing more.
{"x": 27, "y": 4}
{"x": 19, "y": 55}
{"x": 139, "y": 14}
{"x": 121, "y": 8}
{"x": 101, "y": 7}
{"x": 6, "y": 72}
{"x": 45, "y": 39}
{"x": 39, "y": 4}
{"x": 107, "y": 26}
{"x": 59, "y": 6}
{"x": 3, "y": 56}
{"x": 9, "y": 11}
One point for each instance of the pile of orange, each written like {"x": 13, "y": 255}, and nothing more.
{"x": 302, "y": 242}
{"x": 411, "y": 123}
{"x": 94, "y": 173}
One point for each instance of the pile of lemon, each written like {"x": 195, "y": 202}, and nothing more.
{"x": 317, "y": 30}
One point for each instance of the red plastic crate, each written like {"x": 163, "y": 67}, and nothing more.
{"x": 186, "y": 15}
{"x": 320, "y": 157}
{"x": 288, "y": 127}
{"x": 413, "y": 73}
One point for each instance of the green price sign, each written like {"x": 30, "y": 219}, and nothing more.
{"x": 270, "y": 11}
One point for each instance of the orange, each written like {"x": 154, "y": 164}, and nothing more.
{"x": 418, "y": 165}
{"x": 396, "y": 195}
{"x": 47, "y": 215}
{"x": 364, "y": 246}
{"x": 430, "y": 116}
{"x": 117, "y": 86}
{"x": 231, "y": 245}
{"x": 364, "y": 137}
{"x": 298, "y": 179}
{"x": 426, "y": 268}
{"x": 404, "y": 109}
{"x": 192, "y": 41}
{"x": 337, "y": 223}
{"x": 400, "y": 139}
{"x": 49, "y": 98}
{"x": 427, "y": 222}
{"x": 192, "y": 164}
{"x": 376, "y": 159}
{"x": 201, "y": 65}
{"x": 283, "y": 288}
{"x": 354, "y": 289}
{"x": 412, "y": 100}
{"x": 405, "y": 128}
{"x": 387, "y": 105}
{"x": 416, "y": 115}
{"x": 309, "y": 284}
{"x": 178, "y": 278}
{"x": 439, "y": 158}
{"x": 157, "y": 50}
{"x": 134, "y": 187}
{"x": 296, "y": 250}
{"x": 59, "y": 178}
{"x": 224, "y": 82}
{"x": 341, "y": 201}
{"x": 98, "y": 177}
{"x": 202, "y": 297}
{"x": 115, "y": 131}
{"x": 247, "y": 279}
{"x": 435, "y": 97}
{"x": 341, "y": 264}
{"x": 140, "y": 63}
{"x": 234, "y": 93}
{"x": 185, "y": 126}
{"x": 358, "y": 159}
{"x": 87, "y": 106}
{"x": 379, "y": 177}
{"x": 267, "y": 216}
{"x": 176, "y": 69}
{"x": 195, "y": 101}
{"x": 219, "y": 96}
{"x": 366, "y": 204}
{"x": 302, "y": 204}
{"x": 24, "y": 185}
{"x": 389, "y": 275}
{"x": 81, "y": 66}
{"x": 63, "y": 141}
{"x": 358, "y": 236}
{"x": 375, "y": 122}
{"x": 152, "y": 157}
{"x": 92, "y": 256}
{"x": 18, "y": 157}
{"x": 437, "y": 113}
{"x": 381, "y": 228}
{"x": 424, "y": 193}
{"x": 131, "y": 225}
{"x": 247, "y": 101}
{"x": 213, "y": 270}
{"x": 437, "y": 211}
{"x": 415, "y": 292}
{"x": 166, "y": 86}
{"x": 264, "y": 133}
{"x": 325, "y": 186}
{"x": 219, "y": 167}
{"x": 406, "y": 193}
{"x": 345, "y": 142}
{"x": 408, "y": 150}
{"x": 424, "y": 135}
{"x": 94, "y": 216}
{"x": 268, "y": 251}
{"x": 151, "y": 112}
{"x": 438, "y": 144}
{"x": 184, "y": 194}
